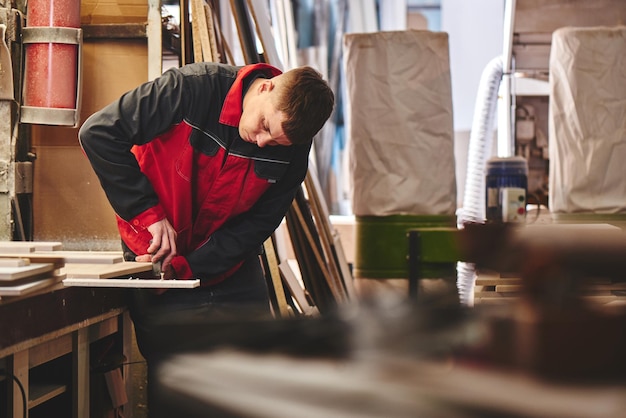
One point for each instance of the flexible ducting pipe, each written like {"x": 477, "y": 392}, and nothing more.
{"x": 480, "y": 150}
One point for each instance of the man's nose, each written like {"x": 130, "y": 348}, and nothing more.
{"x": 263, "y": 139}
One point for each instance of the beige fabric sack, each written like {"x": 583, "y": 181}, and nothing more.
{"x": 399, "y": 123}
{"x": 587, "y": 123}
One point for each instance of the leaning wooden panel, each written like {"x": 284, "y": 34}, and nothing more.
{"x": 301, "y": 296}
{"x": 329, "y": 236}
{"x": 259, "y": 10}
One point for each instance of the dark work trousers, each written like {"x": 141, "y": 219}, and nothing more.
{"x": 180, "y": 320}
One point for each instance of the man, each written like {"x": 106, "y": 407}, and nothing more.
{"x": 200, "y": 166}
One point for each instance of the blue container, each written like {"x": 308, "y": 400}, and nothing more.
{"x": 506, "y": 189}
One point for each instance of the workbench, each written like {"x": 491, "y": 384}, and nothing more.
{"x": 52, "y": 342}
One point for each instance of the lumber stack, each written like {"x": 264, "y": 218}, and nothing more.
{"x": 22, "y": 275}
{"x": 29, "y": 267}
{"x": 492, "y": 287}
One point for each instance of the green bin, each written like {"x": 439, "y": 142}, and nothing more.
{"x": 382, "y": 245}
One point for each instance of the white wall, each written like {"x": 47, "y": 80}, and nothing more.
{"x": 475, "y": 36}
{"x": 475, "y": 31}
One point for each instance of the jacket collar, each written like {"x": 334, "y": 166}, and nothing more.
{"x": 233, "y": 104}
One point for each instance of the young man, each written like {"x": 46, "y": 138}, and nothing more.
{"x": 200, "y": 166}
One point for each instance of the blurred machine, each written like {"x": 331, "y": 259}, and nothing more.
{"x": 529, "y": 26}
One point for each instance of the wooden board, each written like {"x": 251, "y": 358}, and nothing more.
{"x": 245, "y": 30}
{"x": 105, "y": 271}
{"x": 29, "y": 246}
{"x": 14, "y": 262}
{"x": 16, "y": 273}
{"x": 260, "y": 12}
{"x": 21, "y": 247}
{"x": 26, "y": 288}
{"x": 79, "y": 257}
{"x": 133, "y": 283}
{"x": 305, "y": 303}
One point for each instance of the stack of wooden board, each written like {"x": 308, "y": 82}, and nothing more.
{"x": 29, "y": 266}
{"x": 19, "y": 275}
{"x": 492, "y": 287}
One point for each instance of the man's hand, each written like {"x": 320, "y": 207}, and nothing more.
{"x": 163, "y": 245}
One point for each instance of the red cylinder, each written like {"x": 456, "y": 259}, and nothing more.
{"x": 50, "y": 69}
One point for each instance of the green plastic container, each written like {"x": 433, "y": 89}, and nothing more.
{"x": 382, "y": 245}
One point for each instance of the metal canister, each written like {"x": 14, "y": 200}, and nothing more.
{"x": 506, "y": 189}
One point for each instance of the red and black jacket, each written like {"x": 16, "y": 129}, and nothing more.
{"x": 171, "y": 148}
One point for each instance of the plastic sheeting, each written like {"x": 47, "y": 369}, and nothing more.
{"x": 587, "y": 121}
{"x": 399, "y": 123}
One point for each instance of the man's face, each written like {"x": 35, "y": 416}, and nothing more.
{"x": 261, "y": 122}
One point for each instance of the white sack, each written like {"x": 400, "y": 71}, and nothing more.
{"x": 587, "y": 121}
{"x": 399, "y": 123}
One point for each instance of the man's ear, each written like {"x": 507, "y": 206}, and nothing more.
{"x": 266, "y": 85}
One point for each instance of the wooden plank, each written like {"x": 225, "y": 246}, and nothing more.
{"x": 314, "y": 274}
{"x": 223, "y": 43}
{"x": 490, "y": 281}
{"x": 105, "y": 271}
{"x": 77, "y": 257}
{"x": 43, "y": 353}
{"x": 114, "y": 31}
{"x": 301, "y": 296}
{"x": 26, "y": 288}
{"x": 346, "y": 273}
{"x": 40, "y": 393}
{"x": 80, "y": 373}
{"x": 210, "y": 20}
{"x": 154, "y": 33}
{"x": 9, "y": 248}
{"x": 185, "y": 28}
{"x": 195, "y": 32}
{"x": 274, "y": 273}
{"x": 29, "y": 246}
{"x": 329, "y": 236}
{"x": 14, "y": 262}
{"x": 133, "y": 283}
{"x": 261, "y": 16}
{"x": 335, "y": 287}
{"x": 201, "y": 30}
{"x": 60, "y": 258}
{"x": 245, "y": 31}
{"x": 16, "y": 273}
{"x": 18, "y": 367}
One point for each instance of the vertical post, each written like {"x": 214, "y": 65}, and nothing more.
{"x": 18, "y": 367}
{"x": 80, "y": 375}
{"x": 126, "y": 328}
{"x": 154, "y": 34}
{"x": 506, "y": 105}
{"x": 414, "y": 264}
